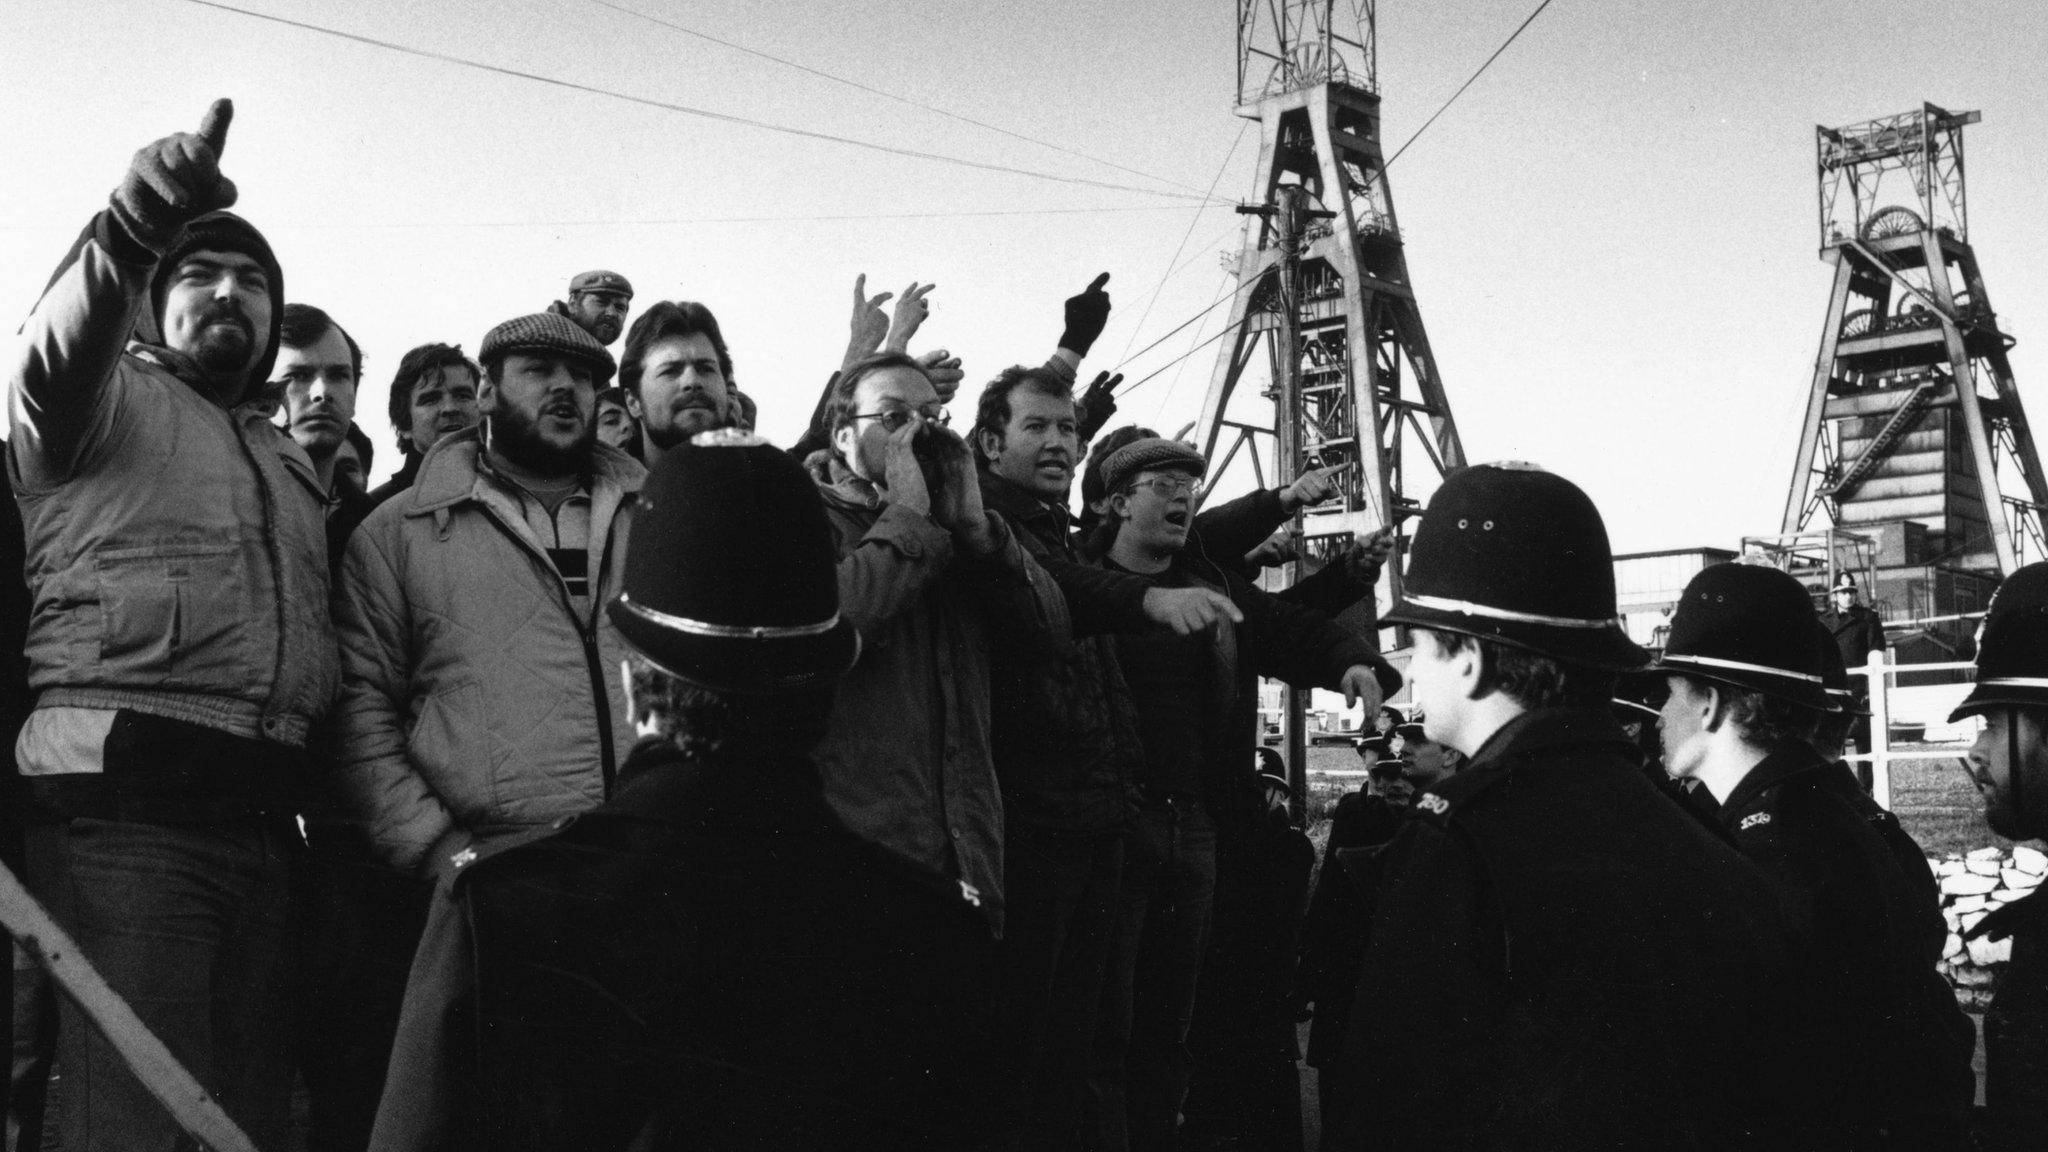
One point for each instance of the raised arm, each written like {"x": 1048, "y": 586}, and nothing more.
{"x": 59, "y": 382}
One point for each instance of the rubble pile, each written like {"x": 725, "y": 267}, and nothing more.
{"x": 1972, "y": 886}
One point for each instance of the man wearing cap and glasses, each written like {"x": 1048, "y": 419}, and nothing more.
{"x": 711, "y": 959}
{"x": 1581, "y": 963}
{"x": 1890, "y": 1063}
{"x": 2009, "y": 765}
{"x": 1197, "y": 701}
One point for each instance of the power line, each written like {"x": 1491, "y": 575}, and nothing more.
{"x": 1178, "y": 328}
{"x": 802, "y": 219}
{"x": 1172, "y": 265}
{"x": 1190, "y": 352}
{"x": 1512, "y": 37}
{"x": 1467, "y": 84}
{"x": 886, "y": 95}
{"x": 685, "y": 109}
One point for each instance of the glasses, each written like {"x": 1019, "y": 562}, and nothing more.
{"x": 894, "y": 419}
{"x": 1171, "y": 486}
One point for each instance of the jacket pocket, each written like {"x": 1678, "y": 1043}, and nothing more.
{"x": 448, "y": 747}
{"x": 179, "y": 616}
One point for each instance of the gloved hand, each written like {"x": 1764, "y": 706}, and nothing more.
{"x": 175, "y": 180}
{"x": 1098, "y": 404}
{"x": 1087, "y": 316}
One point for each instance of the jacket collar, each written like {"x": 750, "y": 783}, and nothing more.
{"x": 1014, "y": 500}
{"x": 1547, "y": 728}
{"x": 839, "y": 484}
{"x": 1773, "y": 770}
{"x": 453, "y": 471}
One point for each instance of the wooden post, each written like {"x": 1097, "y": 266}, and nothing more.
{"x": 1880, "y": 728}
{"x": 188, "y": 1103}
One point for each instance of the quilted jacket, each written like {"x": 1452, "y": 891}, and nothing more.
{"x": 475, "y": 701}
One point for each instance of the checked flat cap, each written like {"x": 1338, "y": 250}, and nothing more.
{"x": 1153, "y": 455}
{"x": 549, "y": 332}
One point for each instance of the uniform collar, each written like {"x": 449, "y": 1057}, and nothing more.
{"x": 1546, "y": 728}
{"x": 1774, "y": 769}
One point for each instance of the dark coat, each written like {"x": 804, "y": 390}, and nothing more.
{"x": 1278, "y": 639}
{"x": 712, "y": 961}
{"x": 1888, "y": 1024}
{"x": 408, "y": 471}
{"x": 1339, "y": 914}
{"x": 1858, "y": 632}
{"x": 1579, "y": 964}
{"x": 1062, "y": 728}
{"x": 2016, "y": 1028}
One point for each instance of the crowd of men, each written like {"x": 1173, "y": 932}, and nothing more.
{"x": 610, "y": 778}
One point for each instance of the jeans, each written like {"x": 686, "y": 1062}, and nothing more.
{"x": 189, "y": 924}
{"x": 358, "y": 925}
{"x": 1140, "y": 1070}
{"x": 1061, "y": 909}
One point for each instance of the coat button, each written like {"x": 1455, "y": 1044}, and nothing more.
{"x": 956, "y": 833}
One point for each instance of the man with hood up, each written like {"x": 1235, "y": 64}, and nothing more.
{"x": 179, "y": 644}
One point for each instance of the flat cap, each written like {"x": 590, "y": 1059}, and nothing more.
{"x": 1154, "y": 455}
{"x": 600, "y": 280}
{"x": 549, "y": 332}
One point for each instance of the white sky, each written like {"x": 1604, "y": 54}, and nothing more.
{"x": 1612, "y": 235}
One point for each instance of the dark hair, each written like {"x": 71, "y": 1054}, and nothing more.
{"x": 748, "y": 411}
{"x": 365, "y": 451}
{"x": 839, "y": 404}
{"x": 992, "y": 414}
{"x": 412, "y": 368}
{"x": 666, "y": 320}
{"x": 1529, "y": 679}
{"x": 1767, "y": 722}
{"x": 303, "y": 325}
{"x": 699, "y": 720}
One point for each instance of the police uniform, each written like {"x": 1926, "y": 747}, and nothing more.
{"x": 2012, "y": 673}
{"x": 1889, "y": 1048}
{"x": 1560, "y": 957}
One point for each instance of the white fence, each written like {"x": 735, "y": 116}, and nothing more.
{"x": 1925, "y": 707}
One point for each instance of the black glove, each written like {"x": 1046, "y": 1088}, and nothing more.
{"x": 176, "y": 180}
{"x": 1087, "y": 315}
{"x": 1098, "y": 403}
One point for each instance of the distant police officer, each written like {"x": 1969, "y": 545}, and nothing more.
{"x": 1857, "y": 633}
{"x": 1891, "y": 1056}
{"x": 2009, "y": 764}
{"x": 1580, "y": 964}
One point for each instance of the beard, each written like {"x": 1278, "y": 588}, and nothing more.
{"x": 223, "y": 340}
{"x": 517, "y": 436}
{"x": 683, "y": 423}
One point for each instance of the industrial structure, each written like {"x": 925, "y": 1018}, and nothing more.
{"x": 1915, "y": 466}
{"x": 1323, "y": 291}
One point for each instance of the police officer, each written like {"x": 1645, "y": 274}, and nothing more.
{"x": 1891, "y": 1050}
{"x": 1580, "y": 963}
{"x": 2009, "y": 763}
{"x": 1857, "y": 633}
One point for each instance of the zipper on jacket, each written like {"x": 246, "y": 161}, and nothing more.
{"x": 593, "y": 661}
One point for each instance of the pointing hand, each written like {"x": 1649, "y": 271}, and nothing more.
{"x": 176, "y": 179}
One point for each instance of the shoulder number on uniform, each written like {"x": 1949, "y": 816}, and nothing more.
{"x": 1753, "y": 820}
{"x": 1433, "y": 804}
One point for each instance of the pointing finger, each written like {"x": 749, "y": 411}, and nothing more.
{"x": 1099, "y": 281}
{"x": 214, "y": 128}
{"x": 860, "y": 288}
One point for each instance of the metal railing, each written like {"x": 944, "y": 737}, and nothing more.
{"x": 1882, "y": 675}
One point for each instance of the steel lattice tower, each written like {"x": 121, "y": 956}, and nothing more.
{"x": 1323, "y": 284}
{"x": 1914, "y": 433}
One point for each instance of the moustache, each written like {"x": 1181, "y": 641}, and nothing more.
{"x": 226, "y": 312}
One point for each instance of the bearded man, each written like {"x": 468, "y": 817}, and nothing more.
{"x": 677, "y": 376}
{"x": 476, "y": 662}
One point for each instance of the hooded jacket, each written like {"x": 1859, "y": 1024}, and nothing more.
{"x": 176, "y": 544}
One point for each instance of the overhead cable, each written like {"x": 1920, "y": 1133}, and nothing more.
{"x": 1467, "y": 84}
{"x": 886, "y": 95}
{"x": 687, "y": 110}
{"x": 799, "y": 219}
{"x": 1172, "y": 262}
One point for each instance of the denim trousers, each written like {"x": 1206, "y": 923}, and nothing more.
{"x": 1140, "y": 1069}
{"x": 189, "y": 923}
{"x": 1060, "y": 912}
